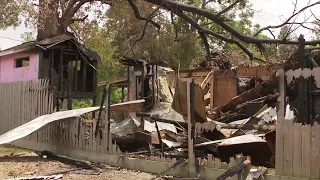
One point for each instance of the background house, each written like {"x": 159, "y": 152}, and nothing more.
{"x": 70, "y": 67}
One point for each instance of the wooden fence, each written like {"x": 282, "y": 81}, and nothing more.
{"x": 25, "y": 101}
{"x": 297, "y": 146}
{"x": 22, "y": 102}
{"x": 75, "y": 137}
{"x": 298, "y": 151}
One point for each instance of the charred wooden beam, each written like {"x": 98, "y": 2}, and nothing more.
{"x": 100, "y": 113}
{"x": 253, "y": 175}
{"x": 160, "y": 139}
{"x": 303, "y": 84}
{"x": 70, "y": 79}
{"x": 174, "y": 166}
{"x": 242, "y": 163}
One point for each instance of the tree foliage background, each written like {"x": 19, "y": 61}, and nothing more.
{"x": 112, "y": 29}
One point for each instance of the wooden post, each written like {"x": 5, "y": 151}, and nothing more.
{"x": 76, "y": 74}
{"x": 190, "y": 108}
{"x": 84, "y": 76}
{"x": 212, "y": 92}
{"x": 132, "y": 87}
{"x": 153, "y": 86}
{"x": 70, "y": 83}
{"x": 280, "y": 122}
{"x": 159, "y": 137}
{"x": 122, "y": 94}
{"x": 107, "y": 118}
{"x": 61, "y": 72}
{"x": 303, "y": 90}
{"x": 158, "y": 85}
{"x": 95, "y": 88}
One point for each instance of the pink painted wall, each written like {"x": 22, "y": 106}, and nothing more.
{"x": 9, "y": 73}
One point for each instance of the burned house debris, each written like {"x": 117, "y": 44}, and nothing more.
{"x": 161, "y": 126}
{"x": 237, "y": 114}
{"x": 209, "y": 117}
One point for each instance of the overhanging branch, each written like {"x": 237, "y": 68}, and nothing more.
{"x": 206, "y": 44}
{"x": 177, "y": 6}
{"x": 216, "y": 35}
{"x": 138, "y": 16}
{"x": 148, "y": 19}
{"x": 79, "y": 19}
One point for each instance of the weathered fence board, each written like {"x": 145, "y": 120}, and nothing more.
{"x": 297, "y": 150}
{"x": 306, "y": 144}
{"x": 280, "y": 124}
{"x": 22, "y": 102}
{"x": 315, "y": 151}
{"x": 301, "y": 150}
{"x": 288, "y": 161}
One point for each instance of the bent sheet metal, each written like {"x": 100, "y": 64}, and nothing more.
{"x": 37, "y": 123}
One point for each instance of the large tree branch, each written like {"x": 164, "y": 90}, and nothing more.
{"x": 148, "y": 19}
{"x": 71, "y": 3}
{"x": 206, "y": 44}
{"x": 169, "y": 4}
{"x": 73, "y": 6}
{"x": 216, "y": 35}
{"x": 79, "y": 19}
{"x": 286, "y": 21}
{"x": 315, "y": 16}
{"x": 138, "y": 16}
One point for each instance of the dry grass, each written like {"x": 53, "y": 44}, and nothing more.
{"x": 15, "y": 162}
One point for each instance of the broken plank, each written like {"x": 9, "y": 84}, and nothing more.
{"x": 256, "y": 174}
{"x": 174, "y": 166}
{"x": 235, "y": 169}
{"x": 130, "y": 106}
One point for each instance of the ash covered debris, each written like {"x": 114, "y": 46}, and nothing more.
{"x": 235, "y": 110}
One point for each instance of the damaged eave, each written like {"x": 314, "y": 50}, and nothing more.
{"x": 123, "y": 81}
{"x": 131, "y": 61}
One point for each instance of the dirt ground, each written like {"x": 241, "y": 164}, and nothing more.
{"x": 15, "y": 162}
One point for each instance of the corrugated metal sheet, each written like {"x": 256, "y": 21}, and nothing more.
{"x": 151, "y": 127}
{"x": 30, "y": 127}
{"x": 245, "y": 139}
{"x": 165, "y": 111}
{"x": 37, "y": 123}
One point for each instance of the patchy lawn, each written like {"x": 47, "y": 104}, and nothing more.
{"x": 15, "y": 162}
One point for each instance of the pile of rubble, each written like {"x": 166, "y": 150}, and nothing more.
{"x": 245, "y": 125}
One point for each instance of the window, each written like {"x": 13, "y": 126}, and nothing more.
{"x": 22, "y": 62}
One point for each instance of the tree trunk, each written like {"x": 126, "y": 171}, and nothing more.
{"x": 48, "y": 22}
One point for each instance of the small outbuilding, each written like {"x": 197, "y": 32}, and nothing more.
{"x": 70, "y": 67}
